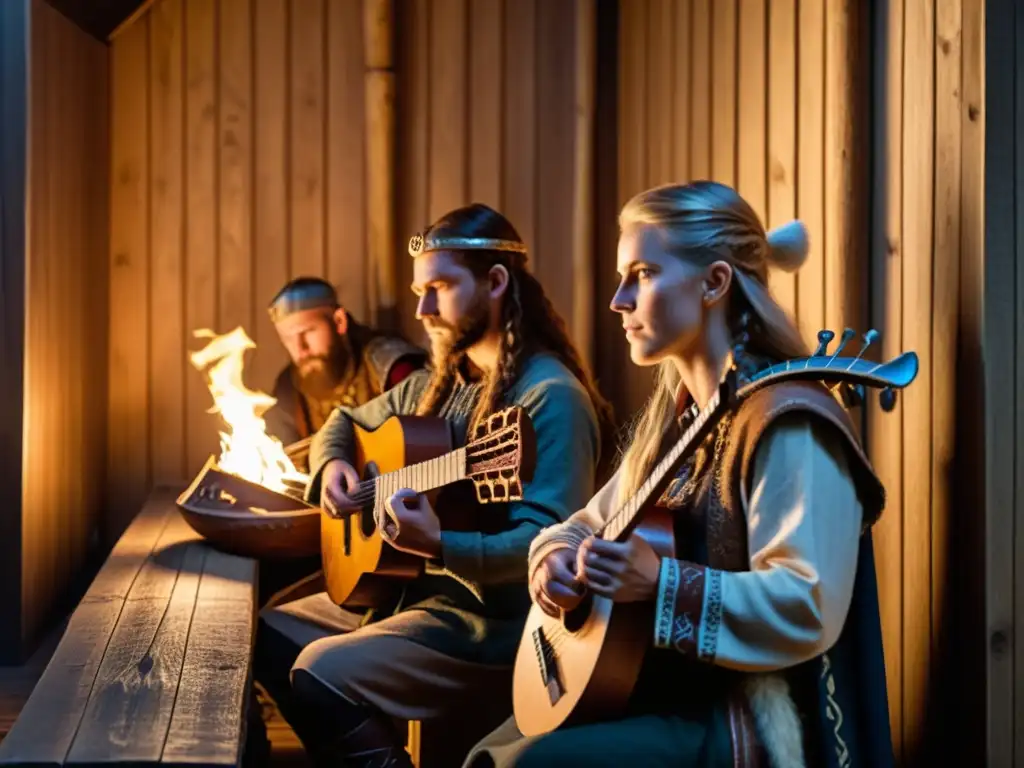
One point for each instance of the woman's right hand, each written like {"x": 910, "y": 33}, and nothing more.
{"x": 554, "y": 586}
{"x": 339, "y": 478}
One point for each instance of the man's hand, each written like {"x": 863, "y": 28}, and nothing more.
{"x": 339, "y": 480}
{"x": 625, "y": 572}
{"x": 411, "y": 524}
{"x": 554, "y": 586}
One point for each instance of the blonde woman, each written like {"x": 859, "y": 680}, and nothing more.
{"x": 769, "y": 519}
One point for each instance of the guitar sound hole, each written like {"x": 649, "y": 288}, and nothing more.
{"x": 574, "y": 620}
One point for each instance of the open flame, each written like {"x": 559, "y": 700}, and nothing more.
{"x": 246, "y": 450}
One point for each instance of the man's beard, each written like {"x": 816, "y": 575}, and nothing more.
{"x": 449, "y": 345}
{"x": 319, "y": 375}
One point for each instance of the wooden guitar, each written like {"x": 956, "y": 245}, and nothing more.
{"x": 360, "y": 568}
{"x": 583, "y": 666}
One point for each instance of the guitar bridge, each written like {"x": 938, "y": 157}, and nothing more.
{"x": 547, "y": 665}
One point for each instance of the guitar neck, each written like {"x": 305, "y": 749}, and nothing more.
{"x": 622, "y": 523}
{"x": 423, "y": 477}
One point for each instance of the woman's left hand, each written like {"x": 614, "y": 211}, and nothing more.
{"x": 625, "y": 572}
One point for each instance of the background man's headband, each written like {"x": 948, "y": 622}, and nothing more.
{"x": 420, "y": 244}
{"x": 300, "y": 294}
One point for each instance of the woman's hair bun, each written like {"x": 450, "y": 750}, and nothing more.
{"x": 788, "y": 246}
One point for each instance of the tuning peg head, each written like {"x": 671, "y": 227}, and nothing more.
{"x": 870, "y": 338}
{"x": 887, "y": 399}
{"x": 825, "y": 337}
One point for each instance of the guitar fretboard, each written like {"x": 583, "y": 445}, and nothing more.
{"x": 621, "y": 523}
{"x": 425, "y": 476}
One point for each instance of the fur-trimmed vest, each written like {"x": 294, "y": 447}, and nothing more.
{"x": 766, "y": 710}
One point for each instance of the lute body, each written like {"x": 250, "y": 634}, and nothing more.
{"x": 582, "y": 667}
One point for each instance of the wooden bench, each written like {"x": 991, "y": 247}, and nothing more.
{"x": 155, "y": 664}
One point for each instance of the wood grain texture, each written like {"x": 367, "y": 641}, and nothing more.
{"x": 257, "y": 165}
{"x": 14, "y": 105}
{"x": 779, "y": 106}
{"x": 63, "y": 353}
{"x": 154, "y": 666}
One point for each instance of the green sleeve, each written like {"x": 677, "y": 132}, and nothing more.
{"x": 335, "y": 438}
{"x": 567, "y": 450}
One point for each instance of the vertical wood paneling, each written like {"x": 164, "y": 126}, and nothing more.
{"x": 810, "y": 184}
{"x": 556, "y": 106}
{"x": 723, "y": 91}
{"x": 448, "y": 59}
{"x": 128, "y": 467}
{"x": 234, "y": 155}
{"x": 168, "y": 336}
{"x": 62, "y": 435}
{"x": 751, "y": 82}
{"x": 681, "y": 65}
{"x": 782, "y": 131}
{"x": 259, "y": 173}
{"x": 885, "y": 430}
{"x": 519, "y": 158}
{"x": 918, "y": 166}
{"x": 486, "y": 51}
{"x": 946, "y": 314}
{"x": 306, "y": 109}
{"x": 787, "y": 124}
{"x": 414, "y": 93}
{"x": 700, "y": 89}
{"x": 15, "y": 108}
{"x": 201, "y": 236}
{"x": 271, "y": 239}
{"x": 346, "y": 165}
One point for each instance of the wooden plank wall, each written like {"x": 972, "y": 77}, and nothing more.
{"x": 62, "y": 328}
{"x": 238, "y": 157}
{"x": 775, "y": 97}
{"x": 713, "y": 90}
{"x": 13, "y": 170}
{"x": 1004, "y": 396}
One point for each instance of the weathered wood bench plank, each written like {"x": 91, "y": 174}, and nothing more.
{"x": 46, "y": 727}
{"x": 207, "y": 727}
{"x": 154, "y": 665}
{"x": 128, "y": 714}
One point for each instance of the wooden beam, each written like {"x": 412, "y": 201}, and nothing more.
{"x": 137, "y": 14}
{"x": 13, "y": 153}
{"x": 378, "y": 25}
{"x": 583, "y": 197}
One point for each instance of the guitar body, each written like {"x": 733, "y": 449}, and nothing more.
{"x": 360, "y": 568}
{"x": 601, "y": 648}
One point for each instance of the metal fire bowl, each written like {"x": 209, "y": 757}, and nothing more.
{"x": 247, "y": 519}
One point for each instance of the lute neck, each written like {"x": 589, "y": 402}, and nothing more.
{"x": 622, "y": 523}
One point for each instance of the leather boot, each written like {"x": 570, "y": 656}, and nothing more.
{"x": 338, "y": 731}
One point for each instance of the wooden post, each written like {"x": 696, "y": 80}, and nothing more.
{"x": 378, "y": 25}
{"x": 583, "y": 197}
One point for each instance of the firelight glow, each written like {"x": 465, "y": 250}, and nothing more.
{"x": 246, "y": 450}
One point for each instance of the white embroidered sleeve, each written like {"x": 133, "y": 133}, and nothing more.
{"x": 803, "y": 519}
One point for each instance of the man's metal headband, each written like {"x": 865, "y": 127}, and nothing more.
{"x": 296, "y": 299}
{"x": 419, "y": 245}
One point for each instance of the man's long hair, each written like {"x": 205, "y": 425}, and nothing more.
{"x": 543, "y": 330}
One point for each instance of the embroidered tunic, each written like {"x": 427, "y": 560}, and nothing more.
{"x": 768, "y": 527}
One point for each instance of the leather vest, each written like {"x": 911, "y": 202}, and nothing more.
{"x": 707, "y": 494}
